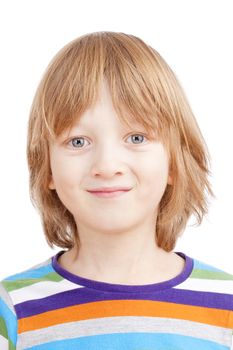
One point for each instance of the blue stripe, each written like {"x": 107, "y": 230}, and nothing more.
{"x": 35, "y": 273}
{"x": 202, "y": 266}
{"x": 132, "y": 341}
{"x": 10, "y": 320}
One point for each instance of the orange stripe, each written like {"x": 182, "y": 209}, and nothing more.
{"x": 111, "y": 308}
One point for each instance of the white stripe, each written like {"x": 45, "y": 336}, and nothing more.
{"x": 42, "y": 289}
{"x": 108, "y": 325}
{"x": 204, "y": 285}
{"x": 4, "y": 295}
{"x": 3, "y": 343}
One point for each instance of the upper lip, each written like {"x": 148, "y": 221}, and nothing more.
{"x": 109, "y": 189}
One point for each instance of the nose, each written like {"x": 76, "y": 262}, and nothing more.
{"x": 107, "y": 162}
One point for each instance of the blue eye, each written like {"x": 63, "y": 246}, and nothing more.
{"x": 78, "y": 142}
{"x": 137, "y": 138}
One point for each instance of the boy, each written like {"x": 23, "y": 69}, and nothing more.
{"x": 117, "y": 205}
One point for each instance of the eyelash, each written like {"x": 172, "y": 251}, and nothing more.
{"x": 76, "y": 138}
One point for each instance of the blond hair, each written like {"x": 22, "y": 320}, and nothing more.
{"x": 143, "y": 88}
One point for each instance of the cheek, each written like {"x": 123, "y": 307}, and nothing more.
{"x": 66, "y": 184}
{"x": 155, "y": 168}
{"x": 65, "y": 174}
{"x": 155, "y": 175}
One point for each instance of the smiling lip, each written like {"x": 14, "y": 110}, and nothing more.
{"x": 109, "y": 189}
{"x": 109, "y": 192}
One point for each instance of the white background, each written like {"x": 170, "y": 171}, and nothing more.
{"x": 194, "y": 37}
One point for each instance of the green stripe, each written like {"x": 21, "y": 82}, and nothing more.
{"x": 13, "y": 285}
{"x": 4, "y": 334}
{"x": 211, "y": 275}
{"x": 3, "y": 330}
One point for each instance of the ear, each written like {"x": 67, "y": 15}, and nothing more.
{"x": 169, "y": 181}
{"x": 51, "y": 184}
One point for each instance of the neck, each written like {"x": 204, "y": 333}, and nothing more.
{"x": 132, "y": 258}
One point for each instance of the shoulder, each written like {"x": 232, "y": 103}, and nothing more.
{"x": 210, "y": 279}
{"x": 12, "y": 283}
{"x": 221, "y": 280}
{"x": 10, "y": 286}
{"x": 12, "y": 292}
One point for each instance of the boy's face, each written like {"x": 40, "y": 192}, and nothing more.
{"x": 108, "y": 154}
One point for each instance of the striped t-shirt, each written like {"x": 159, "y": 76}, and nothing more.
{"x": 47, "y": 307}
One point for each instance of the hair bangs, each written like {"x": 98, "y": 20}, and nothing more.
{"x": 73, "y": 78}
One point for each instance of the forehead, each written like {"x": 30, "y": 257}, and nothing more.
{"x": 104, "y": 114}
{"x": 104, "y": 120}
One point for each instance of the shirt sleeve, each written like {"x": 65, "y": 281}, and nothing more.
{"x": 8, "y": 321}
{"x": 231, "y": 327}
{"x": 232, "y": 340}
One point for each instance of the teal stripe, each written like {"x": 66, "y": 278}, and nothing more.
{"x": 202, "y": 266}
{"x": 33, "y": 273}
{"x": 10, "y": 321}
{"x": 132, "y": 341}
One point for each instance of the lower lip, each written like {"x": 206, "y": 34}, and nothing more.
{"x": 108, "y": 194}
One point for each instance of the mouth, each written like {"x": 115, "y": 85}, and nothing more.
{"x": 110, "y": 189}
{"x": 109, "y": 194}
